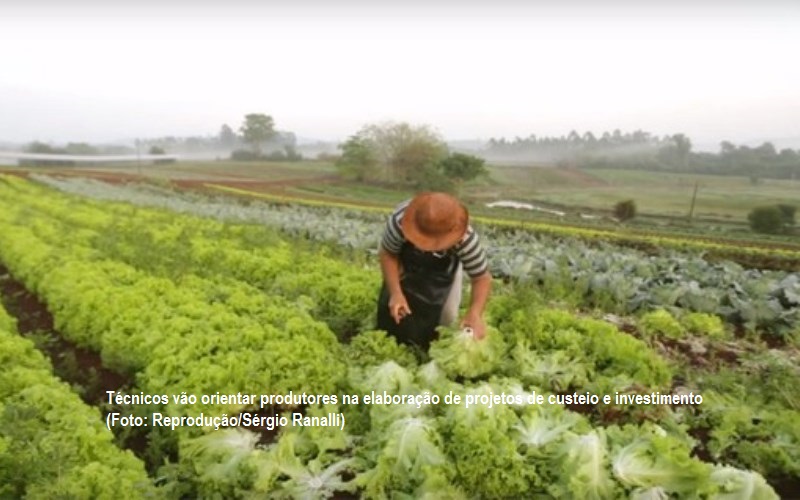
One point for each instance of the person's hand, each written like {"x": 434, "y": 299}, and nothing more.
{"x": 398, "y": 307}
{"x": 477, "y": 324}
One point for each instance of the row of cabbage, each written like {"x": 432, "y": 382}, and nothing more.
{"x": 588, "y": 274}
{"x": 52, "y": 445}
{"x": 758, "y": 254}
{"x": 416, "y": 451}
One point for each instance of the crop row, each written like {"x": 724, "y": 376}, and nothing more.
{"x": 748, "y": 253}
{"x": 587, "y": 274}
{"x": 320, "y": 277}
{"x": 158, "y": 317}
{"x": 194, "y": 335}
{"x": 559, "y": 369}
{"x": 339, "y": 293}
{"x": 773, "y": 256}
{"x": 51, "y": 443}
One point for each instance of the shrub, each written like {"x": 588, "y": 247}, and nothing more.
{"x": 432, "y": 179}
{"x": 625, "y": 210}
{"x": 245, "y": 155}
{"x": 288, "y": 153}
{"x": 770, "y": 219}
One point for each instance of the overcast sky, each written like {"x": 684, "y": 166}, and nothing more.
{"x": 94, "y": 72}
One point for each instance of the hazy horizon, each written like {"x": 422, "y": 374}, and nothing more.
{"x": 89, "y": 72}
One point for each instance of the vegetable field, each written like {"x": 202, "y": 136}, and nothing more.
{"x": 196, "y": 303}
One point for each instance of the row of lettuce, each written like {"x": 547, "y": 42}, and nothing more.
{"x": 192, "y": 305}
{"x": 52, "y": 445}
{"x": 588, "y": 273}
{"x": 189, "y": 335}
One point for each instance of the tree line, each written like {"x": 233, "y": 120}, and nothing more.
{"x": 645, "y": 151}
{"x": 76, "y": 148}
{"x": 256, "y": 139}
{"x": 407, "y": 154}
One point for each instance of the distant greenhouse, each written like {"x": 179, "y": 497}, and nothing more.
{"x": 66, "y": 160}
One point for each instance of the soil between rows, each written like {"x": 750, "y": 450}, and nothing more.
{"x": 80, "y": 367}
{"x": 84, "y": 371}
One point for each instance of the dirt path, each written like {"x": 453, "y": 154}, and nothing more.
{"x": 197, "y": 182}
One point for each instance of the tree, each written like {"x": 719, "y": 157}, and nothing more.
{"x": 767, "y": 151}
{"x": 81, "y": 148}
{"x": 574, "y": 137}
{"x": 257, "y": 129}
{"x": 41, "y": 148}
{"x": 462, "y": 167}
{"x": 415, "y": 156}
{"x": 404, "y": 153}
{"x": 359, "y": 159}
{"x": 726, "y": 148}
{"x": 291, "y": 152}
{"x": 676, "y": 152}
{"x": 227, "y": 137}
{"x": 787, "y": 214}
{"x": 433, "y": 179}
{"x": 683, "y": 147}
{"x": 157, "y": 150}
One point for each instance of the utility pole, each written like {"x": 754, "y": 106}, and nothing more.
{"x": 138, "y": 158}
{"x": 694, "y": 198}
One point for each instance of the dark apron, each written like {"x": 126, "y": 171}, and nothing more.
{"x": 426, "y": 279}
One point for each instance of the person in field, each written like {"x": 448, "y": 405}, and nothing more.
{"x": 426, "y": 247}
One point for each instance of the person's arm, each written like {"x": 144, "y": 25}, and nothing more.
{"x": 390, "y": 267}
{"x": 481, "y": 288}
{"x": 476, "y": 266}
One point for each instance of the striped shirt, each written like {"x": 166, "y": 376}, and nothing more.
{"x": 469, "y": 250}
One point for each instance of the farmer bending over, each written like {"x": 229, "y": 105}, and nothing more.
{"x": 426, "y": 242}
